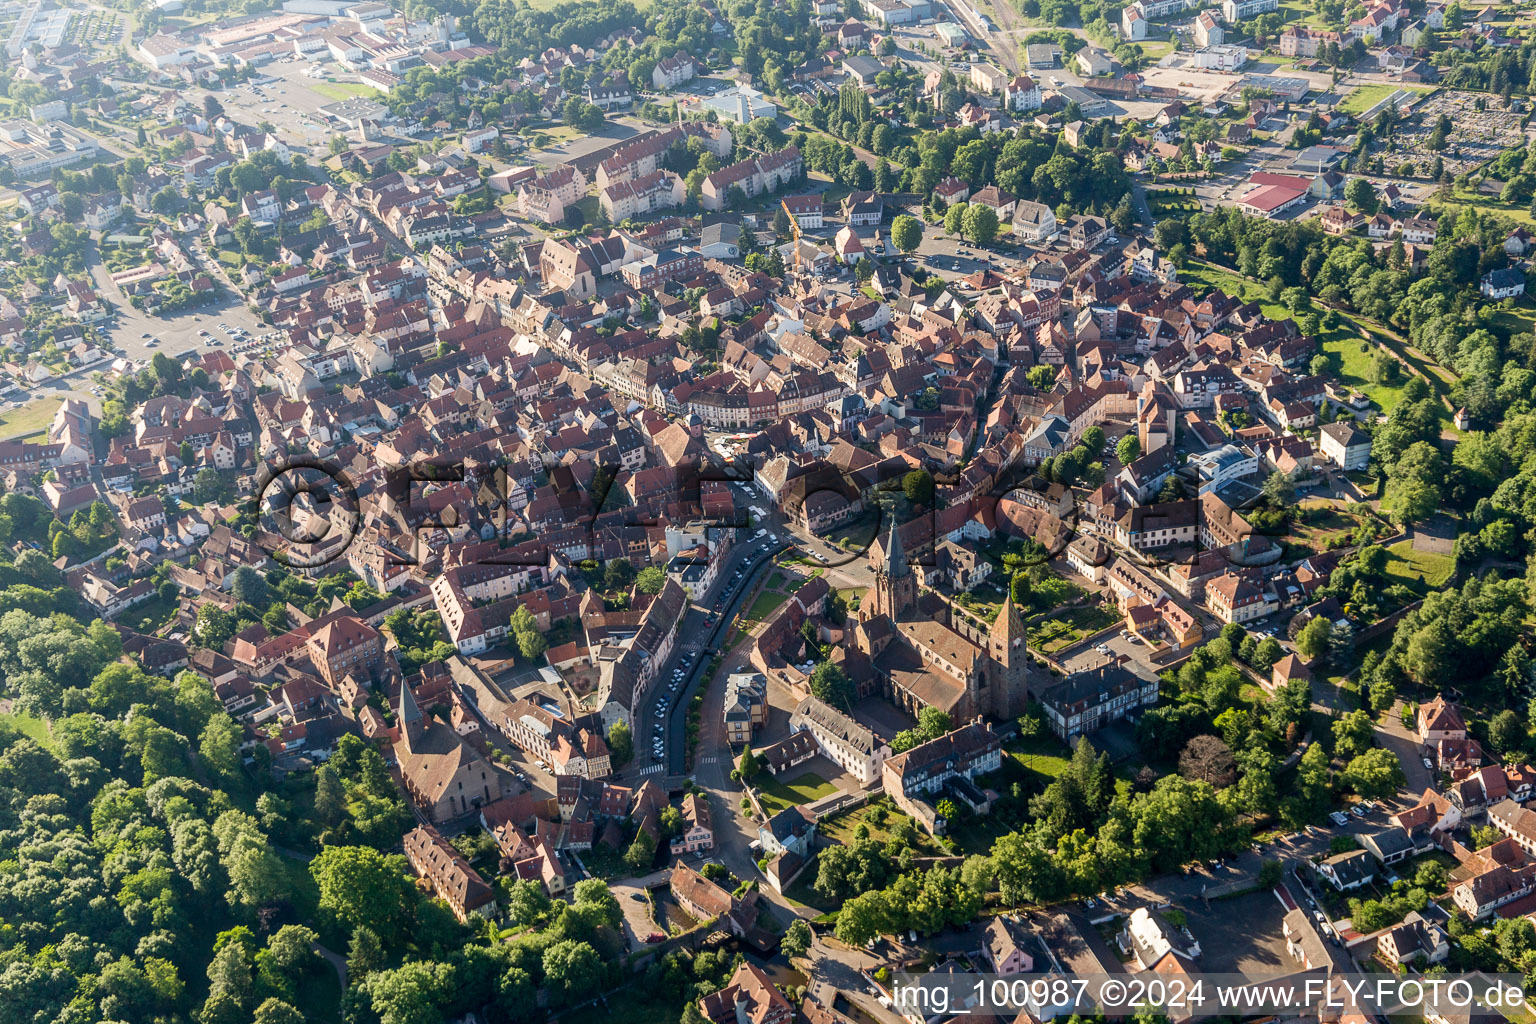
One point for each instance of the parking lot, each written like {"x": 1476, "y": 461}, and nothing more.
{"x": 1240, "y": 934}
{"x": 292, "y": 102}
{"x": 141, "y": 335}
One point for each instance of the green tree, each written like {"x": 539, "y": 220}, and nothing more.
{"x": 831, "y": 684}
{"x": 330, "y": 796}
{"x": 797, "y": 939}
{"x": 1312, "y": 641}
{"x": 572, "y": 970}
{"x": 1353, "y": 734}
{"x": 864, "y": 917}
{"x": 1025, "y": 871}
{"x": 530, "y": 642}
{"x": 621, "y": 744}
{"x": 1375, "y": 774}
{"x": 528, "y": 903}
{"x": 1507, "y": 733}
{"x": 1412, "y": 499}
{"x": 651, "y": 580}
{"x": 219, "y": 746}
{"x": 1019, "y": 590}
{"x": 1360, "y": 195}
{"x": 1279, "y": 489}
{"x": 213, "y": 627}
{"x": 247, "y": 586}
{"x": 1266, "y": 653}
{"x": 365, "y": 953}
{"x": 413, "y": 993}
{"x": 980, "y": 224}
{"x": 641, "y": 852}
{"x": 274, "y": 1011}
{"x": 954, "y": 219}
{"x": 781, "y": 225}
{"x": 906, "y": 232}
{"x": 1128, "y": 449}
{"x": 918, "y": 487}
{"x": 230, "y": 976}
{"x": 364, "y": 888}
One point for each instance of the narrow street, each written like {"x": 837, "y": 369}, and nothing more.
{"x": 734, "y": 833}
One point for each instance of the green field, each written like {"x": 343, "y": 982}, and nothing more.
{"x": 1353, "y": 367}
{"x": 1325, "y": 524}
{"x": 1201, "y": 275}
{"x": 1043, "y": 755}
{"x": 1521, "y": 319}
{"x": 1060, "y": 631}
{"x": 339, "y": 91}
{"x": 1462, "y": 198}
{"x": 776, "y": 796}
{"x": 27, "y": 725}
{"x": 150, "y": 615}
{"x": 1365, "y": 97}
{"x": 32, "y": 418}
{"x": 1406, "y": 565}
{"x": 766, "y": 604}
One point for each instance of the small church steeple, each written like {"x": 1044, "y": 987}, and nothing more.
{"x": 892, "y": 557}
{"x": 895, "y": 588}
{"x": 411, "y": 723}
{"x": 1008, "y": 631}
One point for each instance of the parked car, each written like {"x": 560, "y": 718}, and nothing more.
{"x": 1428, "y": 763}
{"x": 1339, "y": 818}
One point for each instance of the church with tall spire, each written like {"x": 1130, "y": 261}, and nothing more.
{"x": 444, "y": 776}
{"x": 921, "y": 658}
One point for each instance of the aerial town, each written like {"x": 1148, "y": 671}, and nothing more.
{"x": 695, "y": 510}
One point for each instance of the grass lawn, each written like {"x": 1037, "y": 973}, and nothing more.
{"x": 1324, "y": 523}
{"x": 589, "y": 209}
{"x": 840, "y": 827}
{"x": 797, "y": 582}
{"x": 28, "y": 725}
{"x": 1196, "y": 273}
{"x": 339, "y": 91}
{"x": 634, "y": 1005}
{"x": 777, "y": 796}
{"x": 556, "y": 133}
{"x": 151, "y": 615}
{"x": 1365, "y": 97}
{"x": 1353, "y": 367}
{"x": 1462, "y": 198}
{"x": 1043, "y": 755}
{"x": 1406, "y": 565}
{"x": 32, "y": 418}
{"x": 1520, "y": 319}
{"x": 857, "y": 535}
{"x": 1066, "y": 629}
{"x": 765, "y": 605}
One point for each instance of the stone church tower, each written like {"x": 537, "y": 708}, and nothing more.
{"x": 1010, "y": 662}
{"x": 895, "y": 589}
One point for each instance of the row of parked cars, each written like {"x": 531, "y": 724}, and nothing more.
{"x": 1360, "y": 810}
